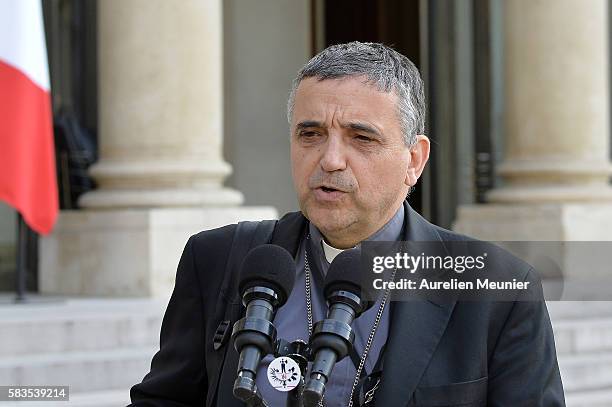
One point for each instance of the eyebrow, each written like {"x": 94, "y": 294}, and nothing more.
{"x": 353, "y": 125}
{"x": 308, "y": 123}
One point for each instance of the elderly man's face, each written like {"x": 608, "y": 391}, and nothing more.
{"x": 350, "y": 165}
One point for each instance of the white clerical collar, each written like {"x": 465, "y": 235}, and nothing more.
{"x": 330, "y": 252}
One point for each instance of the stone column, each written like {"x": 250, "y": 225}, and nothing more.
{"x": 556, "y": 168}
{"x": 160, "y": 87}
{"x": 160, "y": 171}
{"x": 556, "y": 102}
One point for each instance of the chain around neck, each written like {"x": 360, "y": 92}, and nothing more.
{"x": 366, "y": 350}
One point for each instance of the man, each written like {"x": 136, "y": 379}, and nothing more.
{"x": 356, "y": 114}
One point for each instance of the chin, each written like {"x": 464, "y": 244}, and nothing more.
{"x": 328, "y": 219}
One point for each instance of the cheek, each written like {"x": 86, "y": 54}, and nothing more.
{"x": 299, "y": 169}
{"x": 381, "y": 178}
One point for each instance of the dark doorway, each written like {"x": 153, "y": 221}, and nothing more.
{"x": 392, "y": 22}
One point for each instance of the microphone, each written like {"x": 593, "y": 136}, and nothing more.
{"x": 265, "y": 282}
{"x": 332, "y": 338}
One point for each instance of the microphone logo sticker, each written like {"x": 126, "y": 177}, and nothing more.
{"x": 284, "y": 374}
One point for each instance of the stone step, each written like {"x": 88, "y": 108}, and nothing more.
{"x": 581, "y": 327}
{"x": 84, "y": 371}
{"x": 121, "y": 397}
{"x": 107, "y": 398}
{"x": 584, "y": 336}
{"x": 593, "y": 398}
{"x": 94, "y": 345}
{"x": 79, "y": 325}
{"x": 586, "y": 372}
{"x": 561, "y": 310}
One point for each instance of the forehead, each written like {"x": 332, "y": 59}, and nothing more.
{"x": 346, "y": 98}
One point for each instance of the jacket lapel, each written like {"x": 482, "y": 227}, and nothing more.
{"x": 415, "y": 330}
{"x": 289, "y": 232}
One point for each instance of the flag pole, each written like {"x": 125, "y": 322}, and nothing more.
{"x": 21, "y": 271}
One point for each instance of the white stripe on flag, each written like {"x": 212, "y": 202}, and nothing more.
{"x": 22, "y": 39}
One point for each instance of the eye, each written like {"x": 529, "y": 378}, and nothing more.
{"x": 308, "y": 134}
{"x": 364, "y": 139}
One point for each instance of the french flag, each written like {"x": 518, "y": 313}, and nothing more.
{"x": 27, "y": 158}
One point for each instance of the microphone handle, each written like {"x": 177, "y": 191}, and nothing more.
{"x": 294, "y": 397}
{"x": 336, "y": 334}
{"x": 341, "y": 312}
{"x": 249, "y": 361}
{"x": 325, "y": 356}
{"x": 252, "y": 335}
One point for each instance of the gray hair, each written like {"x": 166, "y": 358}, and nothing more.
{"x": 383, "y": 67}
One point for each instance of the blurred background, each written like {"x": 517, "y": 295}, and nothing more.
{"x": 170, "y": 118}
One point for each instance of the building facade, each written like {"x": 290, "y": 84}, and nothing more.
{"x": 183, "y": 105}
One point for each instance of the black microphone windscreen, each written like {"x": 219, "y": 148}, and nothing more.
{"x": 268, "y": 266}
{"x": 344, "y": 273}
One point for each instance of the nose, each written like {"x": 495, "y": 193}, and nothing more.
{"x": 333, "y": 158}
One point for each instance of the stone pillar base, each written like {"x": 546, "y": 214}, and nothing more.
{"x": 536, "y": 222}
{"x": 539, "y": 194}
{"x": 126, "y": 252}
{"x": 171, "y": 197}
{"x": 578, "y": 271}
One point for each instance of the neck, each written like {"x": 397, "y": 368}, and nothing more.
{"x": 344, "y": 242}
{"x": 349, "y": 237}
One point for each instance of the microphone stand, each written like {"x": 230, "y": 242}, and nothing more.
{"x": 299, "y": 351}
{"x": 246, "y": 391}
{"x": 294, "y": 398}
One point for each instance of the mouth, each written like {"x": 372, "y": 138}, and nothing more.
{"x": 329, "y": 189}
{"x": 328, "y": 194}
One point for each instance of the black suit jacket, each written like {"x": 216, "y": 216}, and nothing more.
{"x": 438, "y": 354}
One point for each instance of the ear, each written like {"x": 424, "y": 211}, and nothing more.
{"x": 419, "y": 154}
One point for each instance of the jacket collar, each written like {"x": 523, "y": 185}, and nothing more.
{"x": 289, "y": 232}
{"x": 291, "y": 228}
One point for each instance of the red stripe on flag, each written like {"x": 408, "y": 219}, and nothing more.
{"x": 27, "y": 156}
